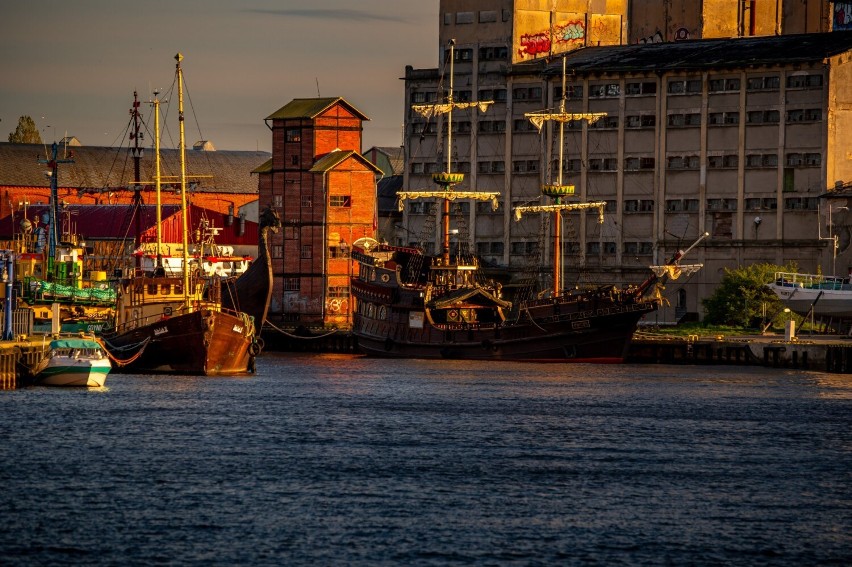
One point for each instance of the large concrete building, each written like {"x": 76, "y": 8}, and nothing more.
{"x": 736, "y": 137}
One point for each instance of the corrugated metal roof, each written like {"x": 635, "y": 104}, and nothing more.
{"x": 702, "y": 54}
{"x": 332, "y": 159}
{"x": 311, "y": 108}
{"x": 106, "y": 222}
{"x": 103, "y": 167}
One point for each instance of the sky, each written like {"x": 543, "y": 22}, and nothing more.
{"x": 73, "y": 65}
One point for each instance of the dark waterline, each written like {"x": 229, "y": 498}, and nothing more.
{"x": 337, "y": 460}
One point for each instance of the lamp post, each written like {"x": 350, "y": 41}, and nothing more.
{"x": 833, "y": 237}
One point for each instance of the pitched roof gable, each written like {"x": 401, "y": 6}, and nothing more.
{"x": 311, "y": 108}
{"x": 332, "y": 159}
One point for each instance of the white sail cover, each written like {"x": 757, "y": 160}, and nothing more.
{"x": 448, "y": 195}
{"x": 539, "y": 118}
{"x": 430, "y": 110}
{"x": 599, "y": 205}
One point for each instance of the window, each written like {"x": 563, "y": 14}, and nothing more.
{"x": 338, "y": 291}
{"x": 604, "y": 91}
{"x": 292, "y": 284}
{"x": 527, "y": 93}
{"x": 640, "y": 88}
{"x": 293, "y": 135}
{"x": 340, "y": 201}
{"x": 804, "y": 82}
{"x": 291, "y": 233}
{"x": 633, "y": 121}
{"x": 593, "y": 248}
{"x": 724, "y": 85}
{"x": 484, "y": 208}
{"x": 752, "y": 204}
{"x": 730, "y": 160}
{"x": 525, "y": 166}
{"x": 794, "y": 159}
{"x": 307, "y": 252}
{"x": 278, "y": 201}
{"x": 498, "y": 53}
{"x": 676, "y": 87}
{"x": 690, "y": 205}
{"x": 294, "y": 159}
{"x": 801, "y": 203}
{"x": 605, "y": 122}
{"x": 676, "y": 120}
{"x": 307, "y": 201}
{"x": 692, "y": 119}
{"x": 523, "y": 125}
{"x": 674, "y": 205}
{"x": 341, "y": 251}
{"x": 609, "y": 248}
{"x": 763, "y": 83}
{"x": 813, "y": 159}
{"x": 732, "y": 118}
{"x": 646, "y": 205}
{"x": 649, "y": 120}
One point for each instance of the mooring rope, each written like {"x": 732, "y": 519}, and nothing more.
{"x": 292, "y": 336}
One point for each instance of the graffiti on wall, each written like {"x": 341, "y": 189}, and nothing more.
{"x": 842, "y": 16}
{"x": 681, "y": 34}
{"x": 564, "y": 36}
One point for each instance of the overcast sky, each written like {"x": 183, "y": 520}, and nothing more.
{"x": 73, "y": 65}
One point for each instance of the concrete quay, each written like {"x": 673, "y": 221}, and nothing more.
{"x": 826, "y": 353}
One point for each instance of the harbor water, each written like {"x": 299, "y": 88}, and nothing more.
{"x": 342, "y": 460}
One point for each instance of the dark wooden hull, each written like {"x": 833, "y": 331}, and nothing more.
{"x": 205, "y": 342}
{"x": 251, "y": 292}
{"x": 580, "y": 337}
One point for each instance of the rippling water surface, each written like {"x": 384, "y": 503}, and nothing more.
{"x": 339, "y": 460}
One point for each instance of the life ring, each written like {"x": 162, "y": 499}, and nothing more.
{"x": 167, "y": 311}
{"x": 385, "y": 278}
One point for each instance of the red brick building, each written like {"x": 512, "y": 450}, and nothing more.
{"x": 325, "y": 193}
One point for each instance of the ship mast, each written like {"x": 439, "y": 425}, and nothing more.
{"x": 182, "y": 151}
{"x": 136, "y": 135}
{"x": 53, "y": 237}
{"x": 448, "y": 179}
{"x": 558, "y": 190}
{"x": 158, "y": 269}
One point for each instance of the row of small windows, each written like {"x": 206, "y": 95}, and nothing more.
{"x": 688, "y": 162}
{"x": 612, "y": 90}
{"x": 638, "y": 206}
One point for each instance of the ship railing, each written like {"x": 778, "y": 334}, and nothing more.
{"x": 811, "y": 281}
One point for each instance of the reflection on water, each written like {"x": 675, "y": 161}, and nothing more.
{"x": 338, "y": 459}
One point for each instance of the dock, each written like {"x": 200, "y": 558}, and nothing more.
{"x": 825, "y": 353}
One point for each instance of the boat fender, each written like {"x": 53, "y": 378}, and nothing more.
{"x": 254, "y": 349}
{"x": 388, "y": 344}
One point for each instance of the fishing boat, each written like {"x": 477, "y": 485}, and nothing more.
{"x": 49, "y": 267}
{"x": 413, "y": 305}
{"x": 814, "y": 294}
{"x": 176, "y": 324}
{"x": 251, "y": 292}
{"x": 74, "y": 362}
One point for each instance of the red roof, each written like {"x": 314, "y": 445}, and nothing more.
{"x": 111, "y": 222}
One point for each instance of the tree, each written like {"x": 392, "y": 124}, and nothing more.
{"x": 26, "y": 132}
{"x": 739, "y": 299}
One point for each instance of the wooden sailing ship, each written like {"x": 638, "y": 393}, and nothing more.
{"x": 176, "y": 323}
{"x": 410, "y": 304}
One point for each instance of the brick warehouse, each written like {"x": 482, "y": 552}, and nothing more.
{"x": 325, "y": 191}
